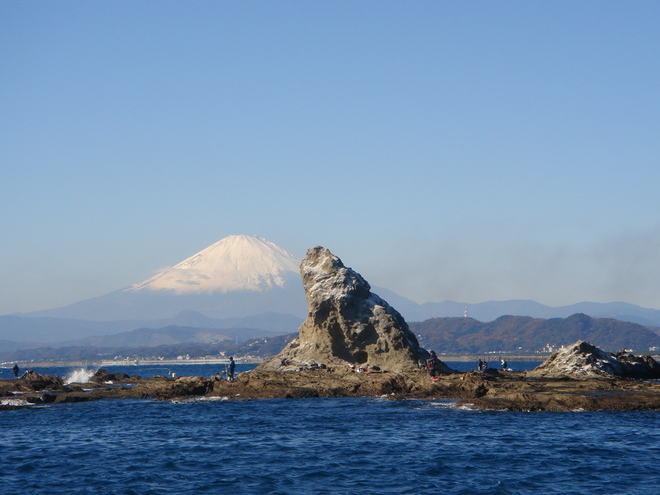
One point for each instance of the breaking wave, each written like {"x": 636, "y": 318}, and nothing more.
{"x": 80, "y": 375}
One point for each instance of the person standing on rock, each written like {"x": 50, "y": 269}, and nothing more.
{"x": 432, "y": 364}
{"x": 15, "y": 370}
{"x": 231, "y": 367}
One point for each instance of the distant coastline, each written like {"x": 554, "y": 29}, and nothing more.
{"x": 252, "y": 360}
{"x": 242, "y": 360}
{"x": 142, "y": 362}
{"x": 130, "y": 362}
{"x": 492, "y": 356}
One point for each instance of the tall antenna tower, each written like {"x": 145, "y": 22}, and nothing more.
{"x": 465, "y": 312}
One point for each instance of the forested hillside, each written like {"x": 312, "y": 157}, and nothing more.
{"x": 526, "y": 334}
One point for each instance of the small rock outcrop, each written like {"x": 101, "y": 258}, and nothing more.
{"x": 32, "y": 381}
{"x": 347, "y": 325}
{"x": 169, "y": 388}
{"x": 644, "y": 367}
{"x": 103, "y": 376}
{"x": 584, "y": 360}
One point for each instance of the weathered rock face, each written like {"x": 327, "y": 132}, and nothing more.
{"x": 583, "y": 360}
{"x": 34, "y": 381}
{"x": 346, "y": 324}
{"x": 644, "y": 367}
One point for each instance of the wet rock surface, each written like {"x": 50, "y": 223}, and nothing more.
{"x": 354, "y": 344}
{"x": 514, "y": 391}
{"x": 580, "y": 377}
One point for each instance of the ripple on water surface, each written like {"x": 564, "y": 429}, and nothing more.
{"x": 330, "y": 446}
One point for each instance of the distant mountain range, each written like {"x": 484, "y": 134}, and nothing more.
{"x": 17, "y": 332}
{"x": 490, "y": 310}
{"x": 528, "y": 335}
{"x": 507, "y": 334}
{"x": 252, "y": 287}
{"x": 263, "y": 347}
{"x": 170, "y": 335}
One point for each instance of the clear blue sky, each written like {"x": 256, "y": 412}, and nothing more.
{"x": 454, "y": 150}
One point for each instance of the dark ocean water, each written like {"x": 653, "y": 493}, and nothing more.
{"x": 323, "y": 446}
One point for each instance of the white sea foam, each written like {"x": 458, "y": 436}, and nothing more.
{"x": 199, "y": 399}
{"x": 447, "y": 404}
{"x": 14, "y": 402}
{"x": 80, "y": 375}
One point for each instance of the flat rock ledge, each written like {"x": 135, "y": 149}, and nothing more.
{"x": 492, "y": 389}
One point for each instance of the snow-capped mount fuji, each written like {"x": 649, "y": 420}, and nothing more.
{"x": 238, "y": 276}
{"x": 235, "y": 263}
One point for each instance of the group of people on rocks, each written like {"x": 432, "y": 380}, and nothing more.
{"x": 16, "y": 369}
{"x": 432, "y": 365}
{"x": 483, "y": 364}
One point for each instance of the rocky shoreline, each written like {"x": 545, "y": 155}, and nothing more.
{"x": 348, "y": 329}
{"x": 491, "y": 389}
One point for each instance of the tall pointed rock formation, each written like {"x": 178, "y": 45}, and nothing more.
{"x": 346, "y": 323}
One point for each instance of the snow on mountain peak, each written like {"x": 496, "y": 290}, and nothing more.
{"x": 237, "y": 262}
